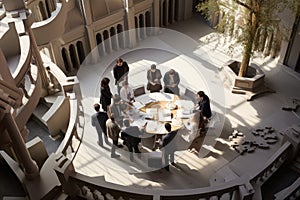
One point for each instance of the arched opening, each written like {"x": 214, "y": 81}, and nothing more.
{"x": 99, "y": 43}
{"x": 141, "y": 24}
{"x": 106, "y": 41}
{"x": 148, "y": 23}
{"x": 113, "y": 38}
{"x": 42, "y": 10}
{"x": 164, "y": 14}
{"x": 121, "y": 36}
{"x": 48, "y": 8}
{"x": 136, "y": 28}
{"x": 65, "y": 59}
{"x": 176, "y": 11}
{"x": 170, "y": 12}
{"x": 73, "y": 56}
{"x": 80, "y": 51}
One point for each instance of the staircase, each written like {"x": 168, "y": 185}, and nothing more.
{"x": 295, "y": 165}
{"x": 41, "y": 110}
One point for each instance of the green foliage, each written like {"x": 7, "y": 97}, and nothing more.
{"x": 236, "y": 18}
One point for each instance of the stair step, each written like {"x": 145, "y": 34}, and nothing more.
{"x": 40, "y": 110}
{"x": 14, "y": 198}
{"x": 62, "y": 196}
{"x": 296, "y": 166}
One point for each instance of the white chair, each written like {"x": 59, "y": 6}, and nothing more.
{"x": 191, "y": 95}
{"x": 139, "y": 90}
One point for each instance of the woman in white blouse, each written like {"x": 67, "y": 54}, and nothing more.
{"x": 126, "y": 93}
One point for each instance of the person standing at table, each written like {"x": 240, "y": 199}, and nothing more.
{"x": 116, "y": 109}
{"x": 204, "y": 108}
{"x": 169, "y": 146}
{"x": 153, "y": 77}
{"x": 105, "y": 94}
{"x": 113, "y": 131}
{"x": 126, "y": 93}
{"x": 99, "y": 122}
{"x": 171, "y": 81}
{"x": 132, "y": 137}
{"x": 120, "y": 72}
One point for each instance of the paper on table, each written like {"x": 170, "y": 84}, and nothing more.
{"x": 144, "y": 99}
{"x": 154, "y": 126}
{"x": 185, "y": 104}
{"x": 181, "y": 113}
{"x": 139, "y": 122}
{"x": 165, "y": 115}
{"x": 138, "y": 104}
{"x": 152, "y": 111}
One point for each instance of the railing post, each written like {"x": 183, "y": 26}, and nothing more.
{"x": 63, "y": 169}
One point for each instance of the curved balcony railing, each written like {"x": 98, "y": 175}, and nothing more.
{"x": 76, "y": 184}
{"x": 272, "y": 165}
{"x": 25, "y": 57}
{"x": 27, "y": 109}
{"x": 73, "y": 136}
{"x": 54, "y": 24}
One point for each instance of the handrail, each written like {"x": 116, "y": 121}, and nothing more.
{"x": 25, "y": 111}
{"x": 291, "y": 192}
{"x": 239, "y": 188}
{"x": 75, "y": 127}
{"x": 272, "y": 164}
{"x": 25, "y": 58}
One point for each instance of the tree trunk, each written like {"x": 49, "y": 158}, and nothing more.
{"x": 248, "y": 46}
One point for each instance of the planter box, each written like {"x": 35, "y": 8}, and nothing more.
{"x": 253, "y": 80}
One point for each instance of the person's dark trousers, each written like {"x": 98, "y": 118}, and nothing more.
{"x": 118, "y": 89}
{"x": 100, "y": 139}
{"x": 130, "y": 149}
{"x": 113, "y": 148}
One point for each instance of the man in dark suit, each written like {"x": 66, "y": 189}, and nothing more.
{"x": 99, "y": 122}
{"x": 132, "y": 137}
{"x": 204, "y": 104}
{"x": 169, "y": 145}
{"x": 120, "y": 72}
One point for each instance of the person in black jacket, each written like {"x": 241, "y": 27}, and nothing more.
{"x": 132, "y": 137}
{"x": 204, "y": 105}
{"x": 99, "y": 122}
{"x": 105, "y": 94}
{"x": 120, "y": 72}
{"x": 169, "y": 145}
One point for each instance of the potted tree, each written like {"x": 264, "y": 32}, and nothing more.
{"x": 253, "y": 24}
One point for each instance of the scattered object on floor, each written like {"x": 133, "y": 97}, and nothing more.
{"x": 291, "y": 104}
{"x": 263, "y": 137}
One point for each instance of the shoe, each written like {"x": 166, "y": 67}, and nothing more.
{"x": 120, "y": 146}
{"x": 167, "y": 168}
{"x": 173, "y": 163}
{"x": 115, "y": 156}
{"x": 100, "y": 144}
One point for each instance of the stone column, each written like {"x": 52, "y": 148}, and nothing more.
{"x": 188, "y": 9}
{"x": 130, "y": 12}
{"x": 39, "y": 60}
{"x": 31, "y": 169}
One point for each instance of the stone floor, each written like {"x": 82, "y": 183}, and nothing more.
{"x": 198, "y": 63}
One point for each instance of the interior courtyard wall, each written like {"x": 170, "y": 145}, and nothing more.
{"x": 102, "y": 17}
